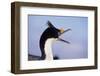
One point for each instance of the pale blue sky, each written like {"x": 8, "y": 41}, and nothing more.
{"x": 78, "y": 37}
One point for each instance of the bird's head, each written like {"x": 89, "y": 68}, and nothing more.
{"x": 56, "y": 33}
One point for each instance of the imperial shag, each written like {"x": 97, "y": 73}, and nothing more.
{"x": 50, "y": 35}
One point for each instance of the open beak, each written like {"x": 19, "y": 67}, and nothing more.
{"x": 63, "y": 40}
{"x": 62, "y": 32}
{"x": 66, "y": 31}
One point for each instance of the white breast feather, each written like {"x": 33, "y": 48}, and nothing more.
{"x": 48, "y": 49}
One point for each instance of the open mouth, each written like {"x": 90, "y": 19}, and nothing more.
{"x": 63, "y": 39}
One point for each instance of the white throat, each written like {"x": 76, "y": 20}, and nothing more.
{"x": 48, "y": 49}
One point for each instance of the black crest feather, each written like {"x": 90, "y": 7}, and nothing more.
{"x": 50, "y": 24}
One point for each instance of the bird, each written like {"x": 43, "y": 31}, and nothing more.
{"x": 50, "y": 35}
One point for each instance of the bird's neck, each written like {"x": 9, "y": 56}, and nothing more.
{"x": 48, "y": 49}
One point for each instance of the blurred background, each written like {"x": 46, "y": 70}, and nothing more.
{"x": 78, "y": 36}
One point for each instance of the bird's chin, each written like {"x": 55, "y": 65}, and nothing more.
{"x": 56, "y": 39}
